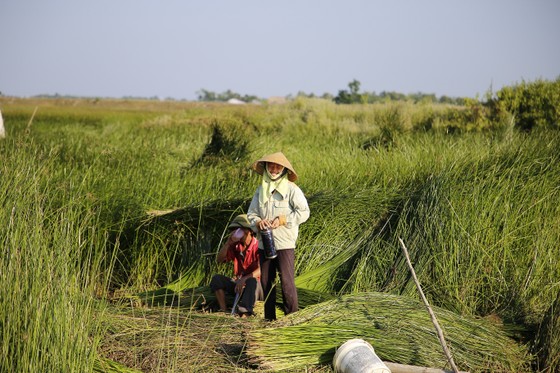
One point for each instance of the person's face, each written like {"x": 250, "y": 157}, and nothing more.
{"x": 247, "y": 237}
{"x": 274, "y": 169}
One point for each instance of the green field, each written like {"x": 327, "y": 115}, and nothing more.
{"x": 112, "y": 209}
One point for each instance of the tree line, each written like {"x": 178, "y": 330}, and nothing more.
{"x": 352, "y": 95}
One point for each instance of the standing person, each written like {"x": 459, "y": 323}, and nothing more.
{"x": 241, "y": 248}
{"x": 280, "y": 205}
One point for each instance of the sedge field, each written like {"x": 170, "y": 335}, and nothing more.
{"x": 112, "y": 211}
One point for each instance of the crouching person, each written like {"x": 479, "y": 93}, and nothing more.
{"x": 241, "y": 248}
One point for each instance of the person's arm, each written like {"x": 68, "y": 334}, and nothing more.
{"x": 232, "y": 240}
{"x": 299, "y": 210}
{"x": 222, "y": 254}
{"x": 240, "y": 283}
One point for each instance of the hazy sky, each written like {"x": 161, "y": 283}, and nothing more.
{"x": 175, "y": 48}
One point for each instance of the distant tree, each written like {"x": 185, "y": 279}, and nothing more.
{"x": 343, "y": 97}
{"x": 205, "y": 95}
{"x": 350, "y": 97}
{"x": 303, "y": 94}
{"x": 445, "y": 100}
{"x": 427, "y": 98}
{"x": 354, "y": 86}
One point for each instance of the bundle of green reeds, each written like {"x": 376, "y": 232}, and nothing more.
{"x": 399, "y": 328}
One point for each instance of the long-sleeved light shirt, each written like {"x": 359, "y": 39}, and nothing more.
{"x": 293, "y": 206}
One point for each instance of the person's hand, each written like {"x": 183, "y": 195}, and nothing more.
{"x": 275, "y": 223}
{"x": 239, "y": 285}
{"x": 263, "y": 224}
{"x": 272, "y": 224}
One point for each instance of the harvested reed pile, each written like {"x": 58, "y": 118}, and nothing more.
{"x": 399, "y": 328}
{"x": 171, "y": 340}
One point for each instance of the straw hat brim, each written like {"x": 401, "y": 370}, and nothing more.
{"x": 278, "y": 158}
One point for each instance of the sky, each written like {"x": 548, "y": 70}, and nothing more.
{"x": 176, "y": 48}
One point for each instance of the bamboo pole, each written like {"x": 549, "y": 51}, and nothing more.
{"x": 432, "y": 315}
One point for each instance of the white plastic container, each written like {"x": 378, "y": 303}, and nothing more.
{"x": 358, "y": 356}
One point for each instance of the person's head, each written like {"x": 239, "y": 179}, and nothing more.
{"x": 241, "y": 230}
{"x": 276, "y": 165}
{"x": 274, "y": 170}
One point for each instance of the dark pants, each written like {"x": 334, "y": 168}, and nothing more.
{"x": 248, "y": 297}
{"x": 284, "y": 265}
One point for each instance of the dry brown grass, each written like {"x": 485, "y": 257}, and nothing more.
{"x": 171, "y": 339}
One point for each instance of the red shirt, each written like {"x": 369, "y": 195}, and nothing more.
{"x": 246, "y": 262}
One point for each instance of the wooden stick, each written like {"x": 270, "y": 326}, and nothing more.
{"x": 432, "y": 315}
{"x": 2, "y": 130}
{"x": 28, "y": 128}
{"x": 401, "y": 368}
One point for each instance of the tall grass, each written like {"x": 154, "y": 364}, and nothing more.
{"x": 49, "y": 266}
{"x": 483, "y": 230}
{"x": 477, "y": 210}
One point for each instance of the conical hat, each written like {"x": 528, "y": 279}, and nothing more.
{"x": 278, "y": 158}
